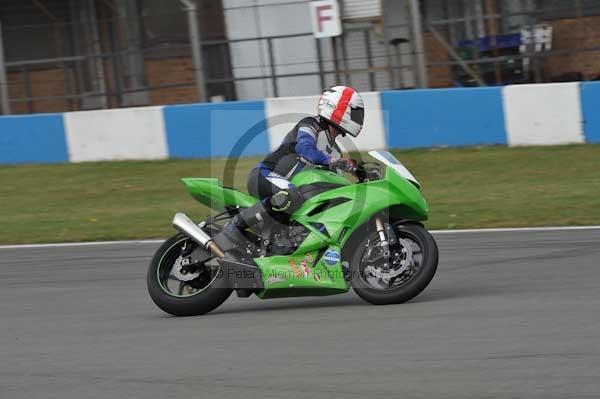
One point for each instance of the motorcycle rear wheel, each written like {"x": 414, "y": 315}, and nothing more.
{"x": 203, "y": 296}
{"x": 414, "y": 241}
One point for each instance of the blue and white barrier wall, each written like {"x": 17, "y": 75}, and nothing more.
{"x": 539, "y": 114}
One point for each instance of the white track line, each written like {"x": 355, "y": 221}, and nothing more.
{"x": 79, "y": 244}
{"x": 516, "y": 229}
{"x": 158, "y": 241}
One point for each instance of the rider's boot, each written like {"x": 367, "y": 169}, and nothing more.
{"x": 231, "y": 236}
{"x": 231, "y": 239}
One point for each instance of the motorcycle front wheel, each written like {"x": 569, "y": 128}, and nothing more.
{"x": 180, "y": 290}
{"x": 401, "y": 275}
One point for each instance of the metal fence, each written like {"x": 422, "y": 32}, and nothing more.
{"x": 101, "y": 54}
{"x": 91, "y": 55}
{"x": 496, "y": 42}
{"x": 100, "y": 59}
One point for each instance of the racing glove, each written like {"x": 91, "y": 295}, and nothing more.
{"x": 344, "y": 164}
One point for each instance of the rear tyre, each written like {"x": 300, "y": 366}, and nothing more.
{"x": 413, "y": 262}
{"x": 179, "y": 296}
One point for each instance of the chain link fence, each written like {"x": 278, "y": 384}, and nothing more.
{"x": 66, "y": 55}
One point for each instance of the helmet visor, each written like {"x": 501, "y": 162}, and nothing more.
{"x": 357, "y": 115}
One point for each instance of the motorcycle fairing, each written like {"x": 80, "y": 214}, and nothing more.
{"x": 335, "y": 225}
{"x": 331, "y": 216}
{"x": 330, "y": 230}
{"x": 211, "y": 193}
{"x": 307, "y": 274}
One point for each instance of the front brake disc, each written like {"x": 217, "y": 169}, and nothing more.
{"x": 404, "y": 263}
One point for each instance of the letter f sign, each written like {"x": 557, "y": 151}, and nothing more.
{"x": 325, "y": 18}
{"x": 322, "y": 15}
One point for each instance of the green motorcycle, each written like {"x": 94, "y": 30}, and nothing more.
{"x": 366, "y": 235}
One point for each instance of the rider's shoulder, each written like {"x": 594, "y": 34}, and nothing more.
{"x": 313, "y": 122}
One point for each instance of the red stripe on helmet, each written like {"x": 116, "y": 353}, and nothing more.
{"x": 342, "y": 105}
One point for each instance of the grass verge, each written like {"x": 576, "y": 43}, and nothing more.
{"x": 465, "y": 188}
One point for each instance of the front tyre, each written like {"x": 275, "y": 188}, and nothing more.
{"x": 400, "y": 276}
{"x": 181, "y": 289}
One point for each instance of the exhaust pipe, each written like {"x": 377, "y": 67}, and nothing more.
{"x": 185, "y": 225}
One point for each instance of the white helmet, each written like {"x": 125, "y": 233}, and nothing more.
{"x": 343, "y": 107}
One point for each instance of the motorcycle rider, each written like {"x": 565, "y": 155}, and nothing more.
{"x": 311, "y": 142}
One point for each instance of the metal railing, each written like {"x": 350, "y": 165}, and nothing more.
{"x": 514, "y": 41}
{"x": 69, "y": 83}
{"x": 431, "y": 43}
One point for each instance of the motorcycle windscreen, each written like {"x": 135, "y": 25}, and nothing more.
{"x": 391, "y": 161}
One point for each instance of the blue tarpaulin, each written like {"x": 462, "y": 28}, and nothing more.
{"x": 485, "y": 43}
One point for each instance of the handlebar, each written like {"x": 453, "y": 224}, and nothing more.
{"x": 366, "y": 171}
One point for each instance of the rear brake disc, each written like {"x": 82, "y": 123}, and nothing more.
{"x": 180, "y": 273}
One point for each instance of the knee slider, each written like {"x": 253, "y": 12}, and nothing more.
{"x": 285, "y": 201}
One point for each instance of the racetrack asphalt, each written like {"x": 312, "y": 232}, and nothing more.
{"x": 509, "y": 315}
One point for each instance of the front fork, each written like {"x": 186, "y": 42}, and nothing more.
{"x": 384, "y": 241}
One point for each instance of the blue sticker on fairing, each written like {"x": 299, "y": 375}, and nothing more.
{"x": 331, "y": 257}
